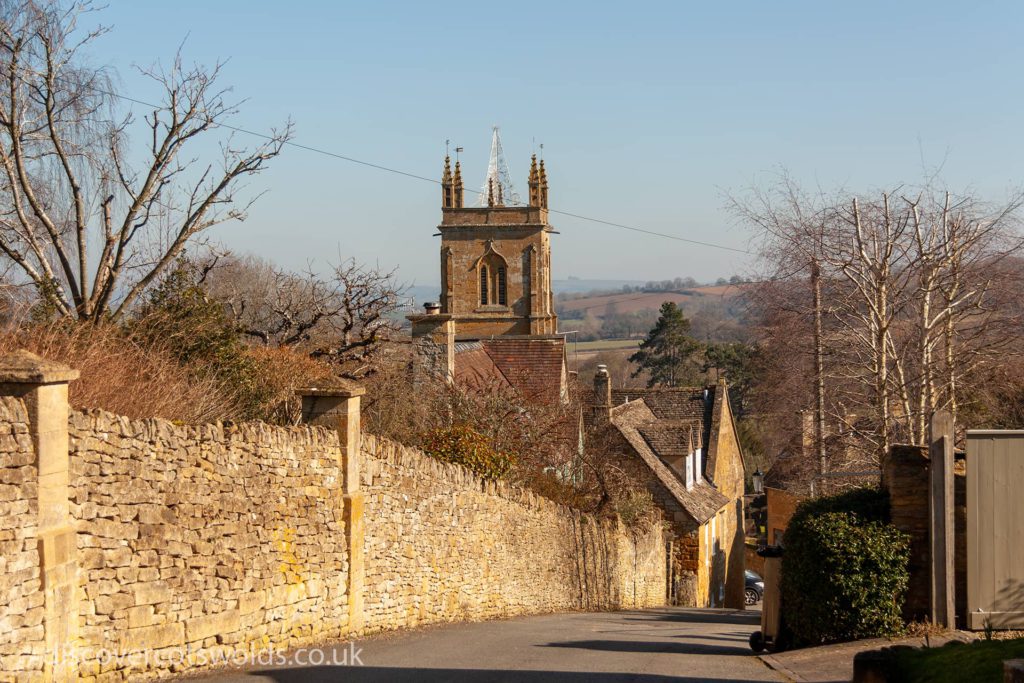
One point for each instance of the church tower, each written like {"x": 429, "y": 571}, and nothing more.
{"x": 496, "y": 258}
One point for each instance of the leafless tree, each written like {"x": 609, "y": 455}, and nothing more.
{"x": 344, "y": 317}
{"x": 89, "y": 226}
{"x": 794, "y": 226}
{"x": 916, "y": 290}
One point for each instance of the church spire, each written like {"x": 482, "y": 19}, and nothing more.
{"x": 498, "y": 175}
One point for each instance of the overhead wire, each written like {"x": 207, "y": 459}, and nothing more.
{"x": 416, "y": 176}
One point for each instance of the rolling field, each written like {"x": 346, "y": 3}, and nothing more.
{"x": 632, "y": 303}
{"x": 606, "y": 344}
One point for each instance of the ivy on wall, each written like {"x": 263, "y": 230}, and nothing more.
{"x": 463, "y": 445}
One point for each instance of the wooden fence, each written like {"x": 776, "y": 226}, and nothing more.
{"x": 995, "y": 529}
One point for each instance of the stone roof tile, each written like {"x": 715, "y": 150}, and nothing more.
{"x": 702, "y": 501}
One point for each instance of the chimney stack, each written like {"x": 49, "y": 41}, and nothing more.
{"x": 602, "y": 391}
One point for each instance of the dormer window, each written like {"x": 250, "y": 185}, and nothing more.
{"x": 689, "y": 471}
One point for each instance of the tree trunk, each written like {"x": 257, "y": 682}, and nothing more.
{"x": 819, "y": 375}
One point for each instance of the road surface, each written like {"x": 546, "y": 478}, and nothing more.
{"x": 670, "y": 644}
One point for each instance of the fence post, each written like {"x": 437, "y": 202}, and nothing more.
{"x": 337, "y": 407}
{"x": 940, "y": 512}
{"x": 43, "y": 386}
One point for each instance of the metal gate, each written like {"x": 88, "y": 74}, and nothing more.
{"x": 995, "y": 529}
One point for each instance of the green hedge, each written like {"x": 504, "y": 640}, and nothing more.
{"x": 844, "y": 570}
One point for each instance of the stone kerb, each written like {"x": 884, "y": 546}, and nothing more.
{"x": 43, "y": 386}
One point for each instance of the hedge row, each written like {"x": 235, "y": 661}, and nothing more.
{"x": 844, "y": 571}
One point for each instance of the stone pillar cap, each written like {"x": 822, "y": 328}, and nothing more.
{"x": 336, "y": 386}
{"x": 24, "y": 367}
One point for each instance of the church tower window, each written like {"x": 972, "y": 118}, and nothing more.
{"x": 502, "y": 287}
{"x": 483, "y": 285}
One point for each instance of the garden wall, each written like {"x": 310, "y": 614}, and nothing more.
{"x": 21, "y": 600}
{"x": 141, "y": 548}
{"x": 205, "y": 537}
{"x": 442, "y": 544}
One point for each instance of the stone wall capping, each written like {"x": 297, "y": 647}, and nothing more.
{"x": 25, "y": 367}
{"x": 337, "y": 386}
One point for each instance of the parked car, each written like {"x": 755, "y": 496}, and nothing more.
{"x": 754, "y": 589}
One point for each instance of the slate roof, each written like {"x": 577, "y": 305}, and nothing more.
{"x": 534, "y": 366}
{"x": 702, "y": 501}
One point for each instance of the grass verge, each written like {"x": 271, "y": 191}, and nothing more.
{"x": 954, "y": 662}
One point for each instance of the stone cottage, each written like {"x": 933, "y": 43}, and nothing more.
{"x": 683, "y": 443}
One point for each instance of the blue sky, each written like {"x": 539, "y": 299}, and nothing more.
{"x": 649, "y": 112}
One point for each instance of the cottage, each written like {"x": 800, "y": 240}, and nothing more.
{"x": 683, "y": 443}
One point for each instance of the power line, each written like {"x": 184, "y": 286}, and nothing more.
{"x": 650, "y": 232}
{"x": 380, "y": 167}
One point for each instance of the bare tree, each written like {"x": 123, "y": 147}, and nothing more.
{"x": 88, "y": 228}
{"x": 344, "y": 318}
{"x": 916, "y": 295}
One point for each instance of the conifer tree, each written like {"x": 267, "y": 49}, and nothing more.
{"x": 668, "y": 351}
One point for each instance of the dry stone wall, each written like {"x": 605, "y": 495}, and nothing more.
{"x": 205, "y": 538}
{"x": 442, "y": 544}
{"x": 185, "y": 547}
{"x": 21, "y": 600}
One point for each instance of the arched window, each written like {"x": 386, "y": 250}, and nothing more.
{"x": 501, "y": 287}
{"x": 493, "y": 278}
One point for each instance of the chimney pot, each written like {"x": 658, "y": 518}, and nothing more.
{"x": 432, "y": 308}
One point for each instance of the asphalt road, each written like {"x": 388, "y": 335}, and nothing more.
{"x": 670, "y": 644}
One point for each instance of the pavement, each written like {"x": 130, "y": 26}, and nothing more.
{"x": 643, "y": 646}
{"x": 834, "y": 663}
{"x": 825, "y": 664}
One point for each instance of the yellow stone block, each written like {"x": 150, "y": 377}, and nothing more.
{"x": 200, "y": 628}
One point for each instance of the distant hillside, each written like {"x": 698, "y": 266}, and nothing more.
{"x": 690, "y": 300}
{"x": 418, "y": 294}
{"x": 578, "y": 286}
{"x": 716, "y": 313}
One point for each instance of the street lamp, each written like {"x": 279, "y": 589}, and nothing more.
{"x": 758, "y": 480}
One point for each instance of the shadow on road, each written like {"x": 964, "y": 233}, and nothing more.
{"x": 653, "y": 647}
{"x": 373, "y": 674}
{"x": 698, "y": 617}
